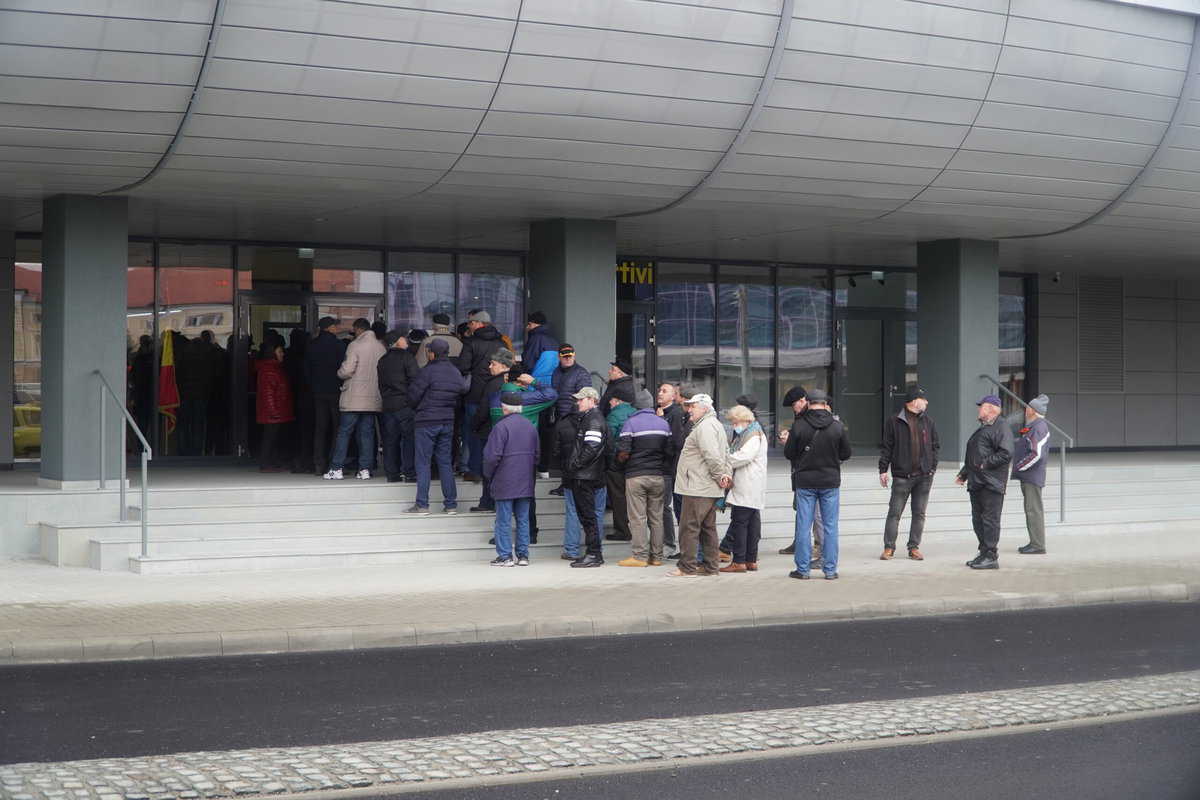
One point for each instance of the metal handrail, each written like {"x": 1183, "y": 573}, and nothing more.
{"x": 146, "y": 456}
{"x": 1062, "y": 452}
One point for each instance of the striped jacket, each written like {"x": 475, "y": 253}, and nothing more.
{"x": 1029, "y": 453}
{"x": 645, "y": 446}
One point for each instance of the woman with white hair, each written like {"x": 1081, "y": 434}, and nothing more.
{"x": 748, "y": 495}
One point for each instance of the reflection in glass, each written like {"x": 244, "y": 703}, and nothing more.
{"x": 1012, "y": 341}
{"x": 685, "y": 329}
{"x": 494, "y": 284}
{"x": 747, "y": 338}
{"x": 27, "y": 350}
{"x": 139, "y": 340}
{"x": 804, "y": 331}
{"x": 419, "y": 286}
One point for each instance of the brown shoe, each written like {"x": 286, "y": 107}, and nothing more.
{"x": 751, "y": 566}
{"x": 632, "y": 562}
{"x": 723, "y": 556}
{"x": 888, "y": 552}
{"x": 654, "y": 562}
{"x": 915, "y": 554}
{"x": 734, "y": 568}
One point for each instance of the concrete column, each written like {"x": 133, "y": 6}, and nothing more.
{"x": 85, "y": 250}
{"x": 7, "y": 258}
{"x": 959, "y": 338}
{"x": 573, "y": 279}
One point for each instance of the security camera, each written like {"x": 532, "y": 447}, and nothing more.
{"x": 1057, "y": 278}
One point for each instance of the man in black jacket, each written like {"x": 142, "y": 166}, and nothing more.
{"x": 985, "y": 474}
{"x": 585, "y": 469}
{"x": 397, "y": 369}
{"x": 434, "y": 393}
{"x": 910, "y": 448}
{"x": 816, "y": 445}
{"x": 322, "y": 358}
{"x": 473, "y": 361}
{"x": 620, "y": 378}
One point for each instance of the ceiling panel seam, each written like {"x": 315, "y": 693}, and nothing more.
{"x": 482, "y": 119}
{"x": 421, "y": 9}
{"x": 760, "y": 100}
{"x": 1185, "y": 95}
{"x": 105, "y": 17}
{"x": 214, "y": 31}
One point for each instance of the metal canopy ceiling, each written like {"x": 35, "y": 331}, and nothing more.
{"x": 455, "y": 122}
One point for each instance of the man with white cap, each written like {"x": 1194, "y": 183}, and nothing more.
{"x": 701, "y": 479}
{"x": 985, "y": 474}
{"x": 584, "y": 472}
{"x": 1029, "y": 467}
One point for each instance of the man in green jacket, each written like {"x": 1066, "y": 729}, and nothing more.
{"x": 620, "y": 409}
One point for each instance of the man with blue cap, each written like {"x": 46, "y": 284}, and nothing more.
{"x": 985, "y": 474}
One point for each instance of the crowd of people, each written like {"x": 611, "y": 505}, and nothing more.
{"x": 461, "y": 403}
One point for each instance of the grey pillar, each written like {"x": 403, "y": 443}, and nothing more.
{"x": 85, "y": 252}
{"x": 7, "y": 258}
{"x": 958, "y": 338}
{"x": 573, "y": 279}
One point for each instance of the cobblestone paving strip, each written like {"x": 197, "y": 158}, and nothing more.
{"x": 266, "y": 771}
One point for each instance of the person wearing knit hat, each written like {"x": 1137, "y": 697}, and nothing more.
{"x": 1029, "y": 467}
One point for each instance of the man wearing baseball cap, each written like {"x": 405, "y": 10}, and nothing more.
{"x": 985, "y": 474}
{"x": 584, "y": 473}
{"x": 910, "y": 448}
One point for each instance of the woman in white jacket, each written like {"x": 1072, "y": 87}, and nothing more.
{"x": 748, "y": 496}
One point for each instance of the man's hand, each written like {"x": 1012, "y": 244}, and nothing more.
{"x": 883, "y": 479}
{"x": 960, "y": 481}
{"x": 525, "y": 380}
{"x": 783, "y": 435}
{"x": 725, "y": 482}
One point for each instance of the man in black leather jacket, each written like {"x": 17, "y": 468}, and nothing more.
{"x": 985, "y": 474}
{"x": 585, "y": 469}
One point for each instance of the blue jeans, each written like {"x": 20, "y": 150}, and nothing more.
{"x": 364, "y": 422}
{"x": 399, "y": 450}
{"x": 503, "y": 527}
{"x": 573, "y": 529}
{"x": 433, "y": 442}
{"x": 474, "y": 443}
{"x": 806, "y": 507}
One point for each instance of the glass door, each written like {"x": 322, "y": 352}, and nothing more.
{"x": 635, "y": 340}
{"x": 347, "y": 308}
{"x": 870, "y": 375}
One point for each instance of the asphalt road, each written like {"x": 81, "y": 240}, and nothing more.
{"x": 63, "y": 712}
{"x": 1155, "y": 759}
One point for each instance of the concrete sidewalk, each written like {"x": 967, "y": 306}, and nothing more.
{"x": 51, "y": 614}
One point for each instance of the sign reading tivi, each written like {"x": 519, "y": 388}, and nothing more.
{"x": 635, "y": 272}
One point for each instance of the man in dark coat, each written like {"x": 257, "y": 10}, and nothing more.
{"x": 397, "y": 369}
{"x": 434, "y": 393}
{"x": 538, "y": 339}
{"x": 1029, "y": 467}
{"x": 478, "y": 348}
{"x": 509, "y": 461}
{"x": 985, "y": 474}
{"x": 585, "y": 470}
{"x": 568, "y": 378}
{"x": 620, "y": 378}
{"x": 322, "y": 358}
{"x": 480, "y": 422}
{"x": 910, "y": 449}
{"x": 816, "y": 446}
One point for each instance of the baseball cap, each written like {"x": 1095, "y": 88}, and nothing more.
{"x": 325, "y": 322}
{"x": 700, "y": 397}
{"x": 565, "y": 349}
{"x": 817, "y": 396}
{"x": 439, "y": 347}
{"x": 586, "y": 391}
{"x": 511, "y": 398}
{"x": 989, "y": 398}
{"x": 913, "y": 392}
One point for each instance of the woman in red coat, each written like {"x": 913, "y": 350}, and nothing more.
{"x": 274, "y": 407}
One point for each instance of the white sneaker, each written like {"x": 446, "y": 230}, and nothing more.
{"x": 333, "y": 475}
{"x": 364, "y": 475}
{"x": 543, "y": 474}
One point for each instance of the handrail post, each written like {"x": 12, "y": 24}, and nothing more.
{"x": 123, "y": 476}
{"x": 103, "y": 436}
{"x": 145, "y": 515}
{"x": 1062, "y": 481}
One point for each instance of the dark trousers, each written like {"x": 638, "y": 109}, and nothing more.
{"x": 399, "y": 454}
{"x": 745, "y": 526}
{"x": 698, "y": 530}
{"x": 585, "y": 498}
{"x": 902, "y": 488}
{"x": 545, "y": 428}
{"x": 325, "y": 424}
{"x": 985, "y": 517}
{"x": 669, "y": 543}
{"x": 268, "y": 448}
{"x": 620, "y": 507}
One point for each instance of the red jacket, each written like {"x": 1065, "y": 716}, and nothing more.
{"x": 274, "y": 402}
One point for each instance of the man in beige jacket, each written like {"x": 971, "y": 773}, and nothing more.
{"x": 360, "y": 402}
{"x": 701, "y": 479}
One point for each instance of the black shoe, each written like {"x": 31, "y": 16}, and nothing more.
{"x": 674, "y": 556}
{"x": 559, "y": 492}
{"x": 986, "y": 563}
{"x": 483, "y": 509}
{"x": 492, "y": 540}
{"x": 790, "y": 550}
{"x": 798, "y": 575}
{"x": 533, "y": 539}
{"x": 471, "y": 477}
{"x": 566, "y": 557}
{"x": 1030, "y": 550}
{"x": 976, "y": 560}
{"x": 408, "y": 479}
{"x": 395, "y": 478}
{"x": 616, "y": 537}
{"x": 588, "y": 561}
{"x": 832, "y": 576}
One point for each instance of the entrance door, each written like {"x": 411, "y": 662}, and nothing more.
{"x": 347, "y": 308}
{"x": 635, "y": 340}
{"x": 870, "y": 371}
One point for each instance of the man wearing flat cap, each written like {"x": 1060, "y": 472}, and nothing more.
{"x": 985, "y": 474}
{"x": 910, "y": 450}
{"x": 1029, "y": 467}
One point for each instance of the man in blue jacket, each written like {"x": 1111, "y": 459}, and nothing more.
{"x": 1029, "y": 467}
{"x": 434, "y": 393}
{"x": 567, "y": 379}
{"x": 509, "y": 459}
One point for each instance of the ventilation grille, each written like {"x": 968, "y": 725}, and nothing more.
{"x": 1101, "y": 335}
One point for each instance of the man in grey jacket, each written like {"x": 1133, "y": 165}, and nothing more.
{"x": 701, "y": 478}
{"x": 1029, "y": 467}
{"x": 985, "y": 474}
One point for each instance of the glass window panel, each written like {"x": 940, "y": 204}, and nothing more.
{"x": 196, "y": 310}
{"x": 1012, "y": 340}
{"x": 419, "y": 286}
{"x": 27, "y": 350}
{"x": 746, "y": 332}
{"x": 139, "y": 340}
{"x": 686, "y": 326}
{"x": 804, "y": 329}
{"x": 494, "y": 284}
